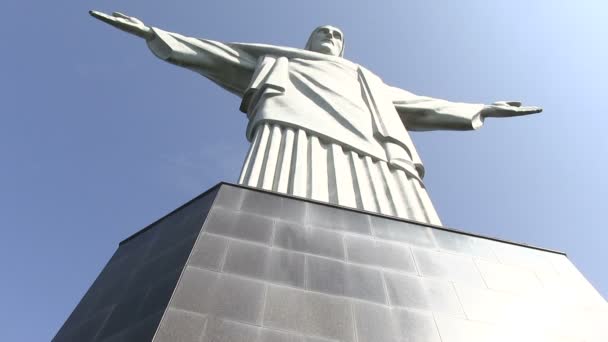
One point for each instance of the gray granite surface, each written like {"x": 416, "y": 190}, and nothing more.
{"x": 238, "y": 264}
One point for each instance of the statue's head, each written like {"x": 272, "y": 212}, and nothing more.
{"x": 326, "y": 39}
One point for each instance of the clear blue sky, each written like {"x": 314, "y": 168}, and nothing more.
{"x": 99, "y": 138}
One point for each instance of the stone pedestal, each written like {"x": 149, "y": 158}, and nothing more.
{"x": 238, "y": 264}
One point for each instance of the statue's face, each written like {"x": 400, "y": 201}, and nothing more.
{"x": 327, "y": 40}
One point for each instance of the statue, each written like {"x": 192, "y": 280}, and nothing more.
{"x": 320, "y": 126}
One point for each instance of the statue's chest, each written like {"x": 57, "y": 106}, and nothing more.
{"x": 334, "y": 85}
{"x": 340, "y": 78}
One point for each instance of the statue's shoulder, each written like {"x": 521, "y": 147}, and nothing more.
{"x": 261, "y": 50}
{"x": 267, "y": 49}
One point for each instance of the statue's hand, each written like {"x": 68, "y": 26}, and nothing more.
{"x": 124, "y": 22}
{"x": 503, "y": 109}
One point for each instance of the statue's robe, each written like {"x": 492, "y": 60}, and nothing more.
{"x": 322, "y": 127}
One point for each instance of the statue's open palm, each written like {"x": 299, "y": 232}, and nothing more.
{"x": 504, "y": 109}
{"x": 125, "y": 23}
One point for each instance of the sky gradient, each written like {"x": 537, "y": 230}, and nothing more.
{"x": 99, "y": 138}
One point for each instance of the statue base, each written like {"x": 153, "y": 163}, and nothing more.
{"x": 240, "y": 264}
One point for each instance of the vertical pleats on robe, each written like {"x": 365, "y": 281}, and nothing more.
{"x": 292, "y": 161}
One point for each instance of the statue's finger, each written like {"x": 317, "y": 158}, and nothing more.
{"x": 507, "y": 103}
{"x": 509, "y": 111}
{"x": 120, "y": 15}
{"x": 99, "y": 15}
{"x": 528, "y": 110}
{"x": 103, "y": 17}
{"x": 127, "y": 18}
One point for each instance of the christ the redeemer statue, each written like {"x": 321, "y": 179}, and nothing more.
{"x": 320, "y": 126}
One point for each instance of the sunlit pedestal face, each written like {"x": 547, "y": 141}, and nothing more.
{"x": 242, "y": 265}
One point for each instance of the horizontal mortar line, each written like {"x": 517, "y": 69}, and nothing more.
{"x": 298, "y": 223}
{"x": 255, "y": 325}
{"x": 355, "y": 299}
{"x": 496, "y": 261}
{"x": 283, "y": 285}
{"x": 374, "y": 239}
{"x": 345, "y": 261}
{"x": 493, "y": 324}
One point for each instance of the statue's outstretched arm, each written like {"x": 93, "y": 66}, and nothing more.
{"x": 421, "y": 113}
{"x": 224, "y": 64}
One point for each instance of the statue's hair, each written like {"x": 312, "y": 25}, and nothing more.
{"x": 309, "y": 42}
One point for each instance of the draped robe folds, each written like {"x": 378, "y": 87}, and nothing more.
{"x": 322, "y": 127}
